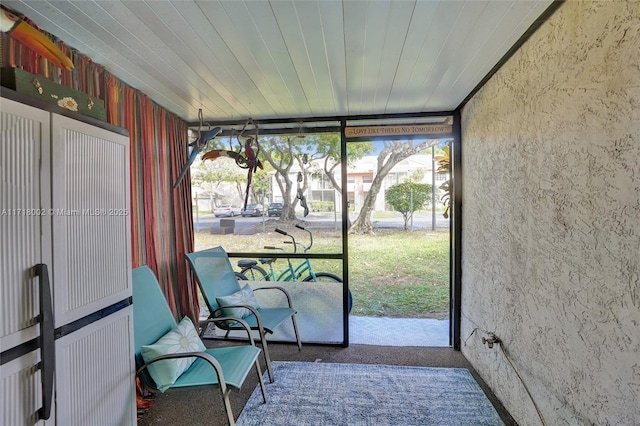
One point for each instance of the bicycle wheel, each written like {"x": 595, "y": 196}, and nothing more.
{"x": 240, "y": 276}
{"x": 329, "y": 277}
{"x": 255, "y": 273}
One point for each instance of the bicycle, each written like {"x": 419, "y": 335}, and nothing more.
{"x": 249, "y": 269}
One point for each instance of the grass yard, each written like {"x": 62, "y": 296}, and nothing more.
{"x": 400, "y": 274}
{"x": 393, "y": 273}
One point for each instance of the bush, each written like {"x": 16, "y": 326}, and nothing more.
{"x": 408, "y": 197}
{"x": 321, "y": 206}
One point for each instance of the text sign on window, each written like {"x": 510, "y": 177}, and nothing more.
{"x": 404, "y": 130}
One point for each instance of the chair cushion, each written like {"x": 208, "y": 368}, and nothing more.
{"x": 183, "y": 338}
{"x": 243, "y": 297}
{"x": 236, "y": 362}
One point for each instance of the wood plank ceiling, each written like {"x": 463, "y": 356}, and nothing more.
{"x": 282, "y": 59}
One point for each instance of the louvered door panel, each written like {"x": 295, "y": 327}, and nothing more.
{"x": 25, "y": 229}
{"x": 91, "y": 250}
{"x": 23, "y": 214}
{"x": 94, "y": 379}
{"x": 21, "y": 390}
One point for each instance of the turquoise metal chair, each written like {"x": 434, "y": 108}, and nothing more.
{"x": 216, "y": 278}
{"x": 225, "y": 367}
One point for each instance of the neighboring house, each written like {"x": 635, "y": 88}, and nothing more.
{"x": 203, "y": 199}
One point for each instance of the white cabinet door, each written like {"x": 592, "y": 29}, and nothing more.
{"x": 64, "y": 200}
{"x": 91, "y": 227}
{"x": 91, "y": 274}
{"x": 24, "y": 224}
{"x": 94, "y": 381}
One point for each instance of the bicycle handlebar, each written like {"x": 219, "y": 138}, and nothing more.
{"x": 286, "y": 234}
{"x": 297, "y": 225}
{"x": 293, "y": 241}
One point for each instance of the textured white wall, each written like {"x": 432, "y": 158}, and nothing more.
{"x": 551, "y": 231}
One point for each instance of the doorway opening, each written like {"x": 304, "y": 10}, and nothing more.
{"x": 400, "y": 231}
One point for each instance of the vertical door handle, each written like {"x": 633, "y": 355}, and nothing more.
{"x": 47, "y": 341}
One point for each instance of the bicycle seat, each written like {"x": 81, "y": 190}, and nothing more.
{"x": 266, "y": 260}
{"x": 245, "y": 263}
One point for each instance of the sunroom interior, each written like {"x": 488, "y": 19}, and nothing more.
{"x": 542, "y": 101}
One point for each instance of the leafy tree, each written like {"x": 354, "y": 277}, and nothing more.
{"x": 260, "y": 185}
{"x": 305, "y": 151}
{"x": 211, "y": 174}
{"x": 392, "y": 153}
{"x": 407, "y": 197}
{"x": 282, "y": 153}
{"x": 416, "y": 175}
{"x": 444, "y": 167}
{"x": 331, "y": 152}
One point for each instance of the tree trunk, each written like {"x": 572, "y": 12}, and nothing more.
{"x": 282, "y": 164}
{"x": 362, "y": 224}
{"x": 392, "y": 154}
{"x": 328, "y": 171}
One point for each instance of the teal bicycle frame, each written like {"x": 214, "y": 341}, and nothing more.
{"x": 293, "y": 273}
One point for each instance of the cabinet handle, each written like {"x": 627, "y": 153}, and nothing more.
{"x": 47, "y": 341}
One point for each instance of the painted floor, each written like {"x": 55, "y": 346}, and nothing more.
{"x": 398, "y": 331}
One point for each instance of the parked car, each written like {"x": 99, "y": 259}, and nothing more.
{"x": 275, "y": 209}
{"x": 253, "y": 210}
{"x": 226, "y": 210}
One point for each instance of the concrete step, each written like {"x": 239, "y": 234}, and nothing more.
{"x": 221, "y": 230}
{"x": 248, "y": 229}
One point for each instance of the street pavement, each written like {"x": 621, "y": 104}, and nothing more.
{"x": 421, "y": 221}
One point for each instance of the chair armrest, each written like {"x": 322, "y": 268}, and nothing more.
{"x": 253, "y": 310}
{"x": 286, "y": 293}
{"x": 207, "y": 357}
{"x": 239, "y": 320}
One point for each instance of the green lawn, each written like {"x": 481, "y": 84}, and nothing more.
{"x": 400, "y": 274}
{"x": 393, "y": 273}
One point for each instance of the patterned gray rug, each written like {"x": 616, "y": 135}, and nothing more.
{"x": 316, "y": 394}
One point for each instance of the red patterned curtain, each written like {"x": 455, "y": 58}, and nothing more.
{"x": 161, "y": 217}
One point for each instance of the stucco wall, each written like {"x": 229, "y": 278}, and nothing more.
{"x": 551, "y": 231}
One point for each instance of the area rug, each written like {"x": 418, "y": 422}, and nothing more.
{"x": 314, "y": 394}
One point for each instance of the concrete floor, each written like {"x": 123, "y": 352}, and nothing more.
{"x": 203, "y": 405}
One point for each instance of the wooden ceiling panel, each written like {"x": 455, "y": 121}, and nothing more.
{"x": 284, "y": 78}
{"x": 235, "y": 24}
{"x": 395, "y": 43}
{"x": 434, "y": 39}
{"x": 239, "y": 59}
{"x": 51, "y": 19}
{"x": 334, "y": 51}
{"x": 162, "y": 27}
{"x": 355, "y": 36}
{"x": 222, "y": 64}
{"x": 301, "y": 27}
{"x": 513, "y": 23}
